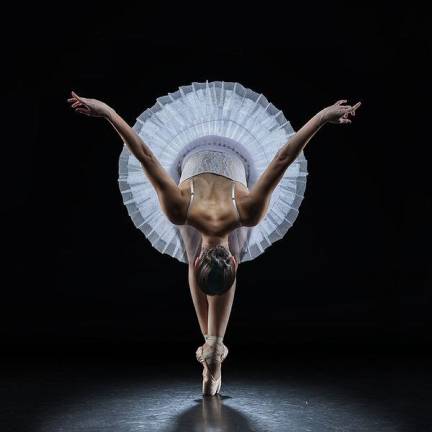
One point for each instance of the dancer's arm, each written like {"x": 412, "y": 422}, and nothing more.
{"x": 173, "y": 202}
{"x": 255, "y": 204}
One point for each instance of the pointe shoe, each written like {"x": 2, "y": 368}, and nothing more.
{"x": 216, "y": 354}
{"x": 200, "y": 351}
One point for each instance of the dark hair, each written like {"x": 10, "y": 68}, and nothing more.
{"x": 216, "y": 271}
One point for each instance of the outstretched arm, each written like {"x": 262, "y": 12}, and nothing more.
{"x": 255, "y": 204}
{"x": 173, "y": 203}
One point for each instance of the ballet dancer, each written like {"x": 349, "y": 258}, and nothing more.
{"x": 213, "y": 174}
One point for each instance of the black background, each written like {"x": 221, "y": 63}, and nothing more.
{"x": 354, "y": 270}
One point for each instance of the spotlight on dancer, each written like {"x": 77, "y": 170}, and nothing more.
{"x": 213, "y": 174}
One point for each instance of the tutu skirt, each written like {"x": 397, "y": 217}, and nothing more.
{"x": 200, "y": 113}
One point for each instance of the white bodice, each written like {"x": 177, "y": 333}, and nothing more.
{"x": 222, "y": 162}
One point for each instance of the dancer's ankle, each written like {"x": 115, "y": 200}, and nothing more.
{"x": 213, "y": 340}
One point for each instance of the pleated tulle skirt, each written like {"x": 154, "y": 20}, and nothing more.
{"x": 197, "y": 115}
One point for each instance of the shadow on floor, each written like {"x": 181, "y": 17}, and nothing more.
{"x": 318, "y": 393}
{"x": 211, "y": 414}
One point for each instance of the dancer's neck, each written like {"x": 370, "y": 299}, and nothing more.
{"x": 212, "y": 241}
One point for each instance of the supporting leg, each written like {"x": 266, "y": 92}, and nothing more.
{"x": 219, "y": 311}
{"x": 192, "y": 243}
{"x": 199, "y": 300}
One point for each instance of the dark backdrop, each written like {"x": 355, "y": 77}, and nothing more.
{"x": 354, "y": 270}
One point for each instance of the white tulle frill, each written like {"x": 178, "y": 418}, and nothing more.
{"x": 223, "y": 114}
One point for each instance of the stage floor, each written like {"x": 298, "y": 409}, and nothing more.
{"x": 276, "y": 391}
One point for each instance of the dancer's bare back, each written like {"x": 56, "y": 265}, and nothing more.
{"x": 212, "y": 210}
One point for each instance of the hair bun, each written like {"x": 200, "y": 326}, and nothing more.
{"x": 215, "y": 271}
{"x": 227, "y": 262}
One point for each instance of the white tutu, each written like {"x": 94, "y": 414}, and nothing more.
{"x": 255, "y": 127}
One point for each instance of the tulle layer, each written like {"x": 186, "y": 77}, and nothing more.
{"x": 202, "y": 112}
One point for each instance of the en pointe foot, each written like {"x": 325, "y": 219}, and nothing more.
{"x": 211, "y": 357}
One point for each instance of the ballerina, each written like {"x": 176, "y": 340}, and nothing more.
{"x": 213, "y": 175}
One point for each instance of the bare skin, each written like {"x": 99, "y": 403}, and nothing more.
{"x": 212, "y": 311}
{"x": 212, "y": 213}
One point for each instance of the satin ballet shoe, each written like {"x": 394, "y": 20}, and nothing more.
{"x": 213, "y": 354}
{"x": 200, "y": 351}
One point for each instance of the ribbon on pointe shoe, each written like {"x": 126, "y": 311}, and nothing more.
{"x": 215, "y": 342}
{"x": 217, "y": 352}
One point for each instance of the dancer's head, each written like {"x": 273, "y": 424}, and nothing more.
{"x": 216, "y": 270}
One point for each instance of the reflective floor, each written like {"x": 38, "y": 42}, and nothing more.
{"x": 94, "y": 394}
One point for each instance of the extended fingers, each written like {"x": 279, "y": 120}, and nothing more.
{"x": 356, "y": 106}
{"x": 75, "y": 96}
{"x": 353, "y": 109}
{"x": 344, "y": 109}
{"x": 76, "y": 100}
{"x": 342, "y": 101}
{"x": 78, "y": 104}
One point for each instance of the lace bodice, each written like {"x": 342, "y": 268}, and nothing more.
{"x": 214, "y": 161}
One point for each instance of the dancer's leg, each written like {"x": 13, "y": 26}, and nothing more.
{"x": 199, "y": 300}
{"x": 219, "y": 311}
{"x": 192, "y": 243}
{"x": 218, "y": 316}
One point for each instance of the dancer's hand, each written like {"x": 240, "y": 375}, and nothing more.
{"x": 90, "y": 107}
{"x": 338, "y": 113}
